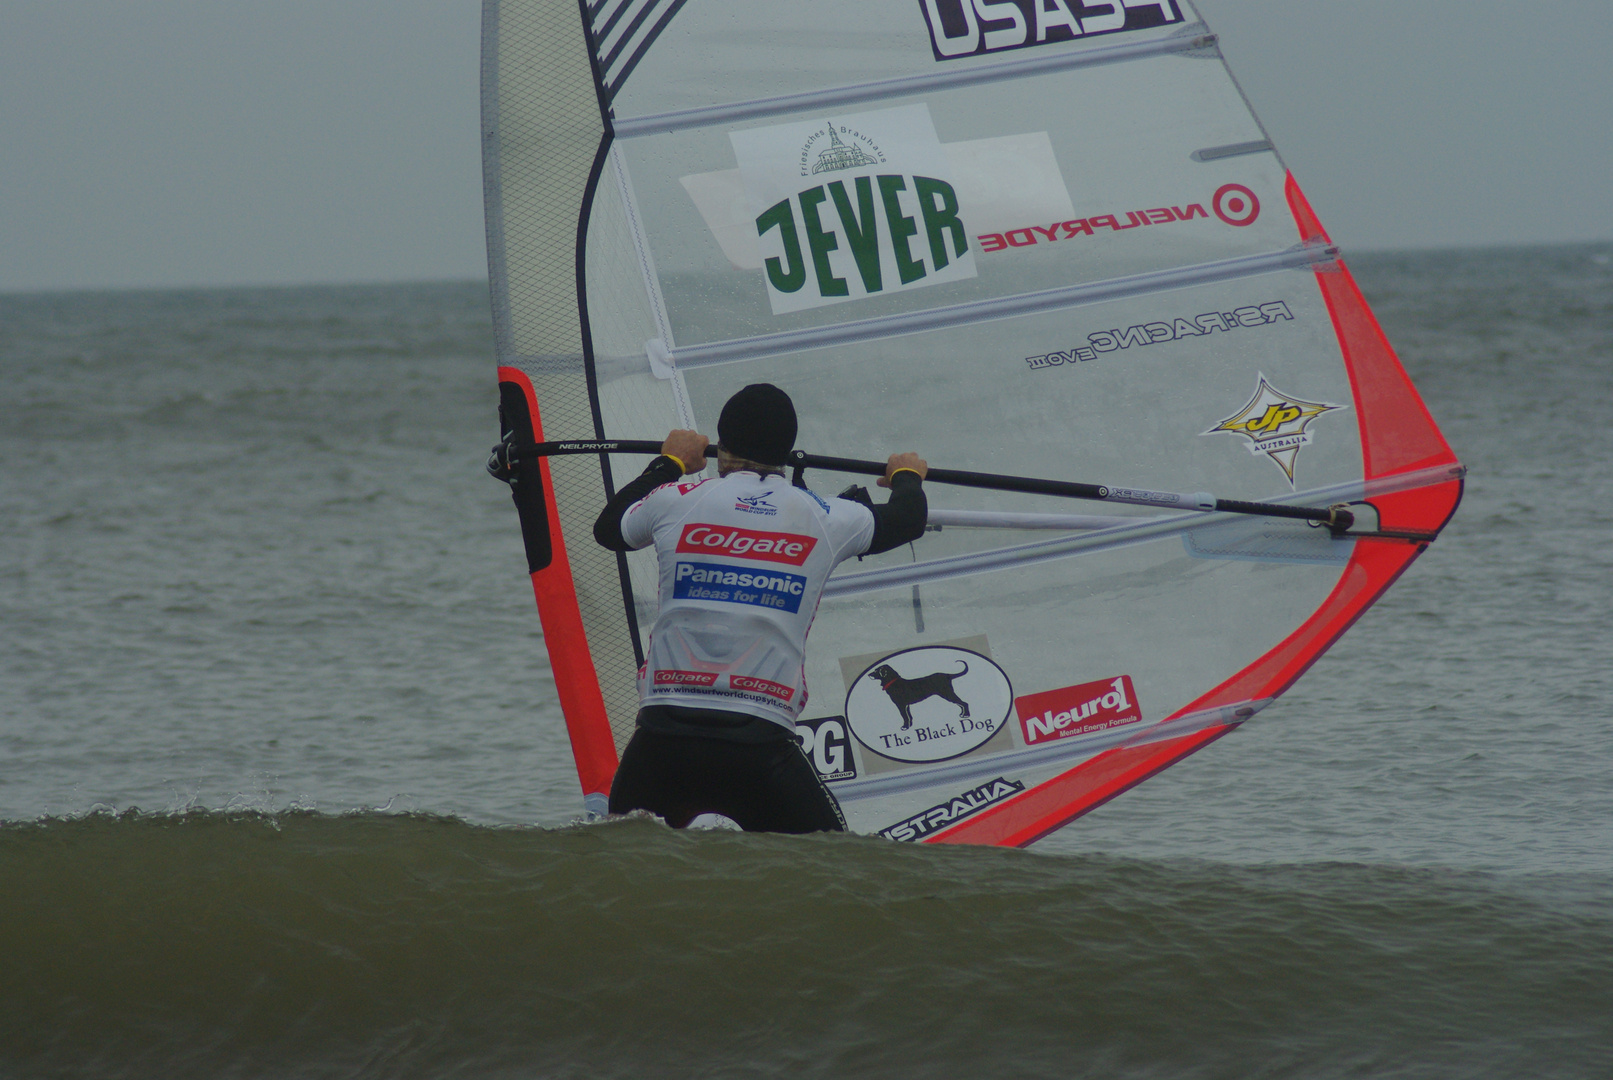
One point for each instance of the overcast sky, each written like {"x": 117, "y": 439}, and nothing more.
{"x": 220, "y": 142}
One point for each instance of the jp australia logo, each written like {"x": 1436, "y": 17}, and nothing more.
{"x": 755, "y": 504}
{"x": 746, "y": 543}
{"x": 824, "y": 151}
{"x": 825, "y": 744}
{"x": 957, "y": 808}
{"x": 1275, "y": 424}
{"x": 1233, "y": 204}
{"x": 852, "y": 206}
{"x": 1177, "y": 328}
{"x": 928, "y": 704}
{"x": 1077, "y": 710}
{"x": 972, "y": 27}
{"x": 737, "y": 585}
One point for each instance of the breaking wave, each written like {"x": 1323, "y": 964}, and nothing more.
{"x": 214, "y": 944}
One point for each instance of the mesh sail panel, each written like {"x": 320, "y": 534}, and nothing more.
{"x": 542, "y": 137}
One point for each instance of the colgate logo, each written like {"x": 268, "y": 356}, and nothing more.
{"x": 685, "y": 678}
{"x": 746, "y": 544}
{"x": 761, "y": 686}
{"x": 1076, "y": 710}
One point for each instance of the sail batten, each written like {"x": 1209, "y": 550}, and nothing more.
{"x": 985, "y": 519}
{"x": 738, "y": 350}
{"x": 1216, "y": 153}
{"x": 1015, "y": 557}
{"x": 1119, "y": 532}
{"x": 1053, "y": 754}
{"x": 885, "y": 89}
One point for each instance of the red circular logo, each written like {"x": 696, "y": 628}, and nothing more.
{"x": 1235, "y": 205}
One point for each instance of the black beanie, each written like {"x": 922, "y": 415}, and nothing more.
{"x": 758, "y": 424}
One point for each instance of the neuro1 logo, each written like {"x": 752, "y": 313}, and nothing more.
{"x": 1076, "y": 710}
{"x": 1274, "y": 424}
{"x": 973, "y": 27}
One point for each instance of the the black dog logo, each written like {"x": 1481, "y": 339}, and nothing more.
{"x": 905, "y": 693}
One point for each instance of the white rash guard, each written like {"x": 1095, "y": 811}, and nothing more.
{"x": 743, "y": 563}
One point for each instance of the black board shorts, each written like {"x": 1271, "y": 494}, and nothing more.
{"x": 682, "y": 763}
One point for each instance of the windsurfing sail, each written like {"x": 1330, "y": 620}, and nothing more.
{"x": 1018, "y": 236}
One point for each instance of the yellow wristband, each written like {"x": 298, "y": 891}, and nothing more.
{"x": 682, "y": 468}
{"x": 915, "y": 472}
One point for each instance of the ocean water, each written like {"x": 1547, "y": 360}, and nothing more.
{"x": 284, "y": 790}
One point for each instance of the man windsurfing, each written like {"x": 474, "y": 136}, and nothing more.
{"x": 743, "y": 562}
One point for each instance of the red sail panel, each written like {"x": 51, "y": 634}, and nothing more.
{"x": 1397, "y": 435}
{"x": 576, "y": 682}
{"x": 1397, "y": 432}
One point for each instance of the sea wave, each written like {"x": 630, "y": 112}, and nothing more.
{"x": 298, "y": 944}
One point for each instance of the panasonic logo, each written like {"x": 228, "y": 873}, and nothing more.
{"x": 718, "y": 583}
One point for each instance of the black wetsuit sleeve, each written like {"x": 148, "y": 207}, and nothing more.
{"x": 608, "y": 527}
{"x": 900, "y": 520}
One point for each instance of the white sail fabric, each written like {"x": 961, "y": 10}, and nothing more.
{"x": 1018, "y": 237}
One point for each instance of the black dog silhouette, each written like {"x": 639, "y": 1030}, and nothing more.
{"x": 905, "y": 693}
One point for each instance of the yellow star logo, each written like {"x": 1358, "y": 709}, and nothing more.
{"x": 1274, "y": 423}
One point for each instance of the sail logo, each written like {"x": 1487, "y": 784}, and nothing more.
{"x": 1030, "y": 235}
{"x": 957, "y": 808}
{"x": 859, "y": 152}
{"x": 1274, "y": 424}
{"x": 928, "y": 704}
{"x": 738, "y": 585}
{"x": 1233, "y": 204}
{"x": 746, "y": 544}
{"x": 974, "y": 27}
{"x": 1078, "y": 710}
{"x": 826, "y": 745}
{"x": 851, "y": 207}
{"x": 1179, "y": 328}
{"x": 880, "y": 235}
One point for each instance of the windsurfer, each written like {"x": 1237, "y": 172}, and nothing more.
{"x": 743, "y": 562}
